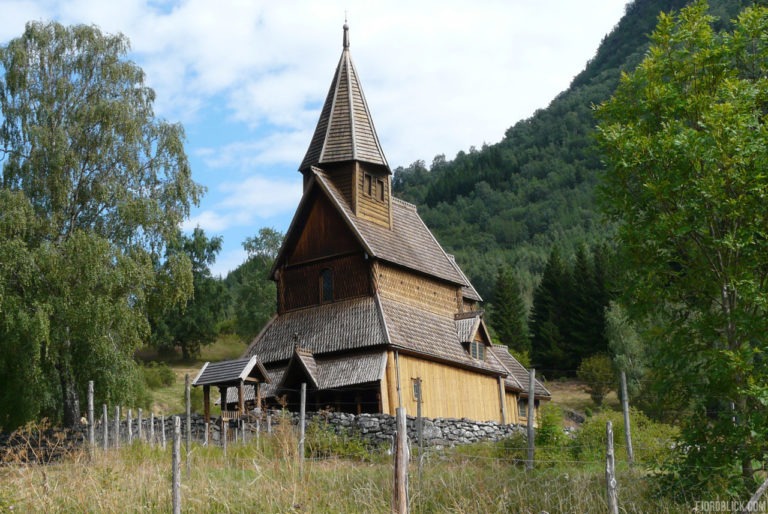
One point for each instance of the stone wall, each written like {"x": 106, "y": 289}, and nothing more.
{"x": 373, "y": 429}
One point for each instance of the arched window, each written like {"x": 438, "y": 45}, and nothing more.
{"x": 326, "y": 285}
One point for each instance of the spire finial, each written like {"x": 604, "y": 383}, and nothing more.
{"x": 346, "y": 31}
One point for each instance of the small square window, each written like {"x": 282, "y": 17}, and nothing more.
{"x": 477, "y": 350}
{"x": 380, "y": 189}
{"x": 416, "y": 388}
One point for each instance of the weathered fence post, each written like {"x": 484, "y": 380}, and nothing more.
{"x": 610, "y": 471}
{"x": 129, "y": 421}
{"x": 152, "y": 429}
{"x": 140, "y": 420}
{"x": 188, "y": 433}
{"x": 625, "y": 408}
{"x": 117, "y": 426}
{"x": 400, "y": 490}
{"x": 269, "y": 422}
{"x": 224, "y": 426}
{"x": 105, "y": 427}
{"x": 162, "y": 426}
{"x": 91, "y": 427}
{"x": 176, "y": 465}
{"x": 302, "y": 419}
{"x": 531, "y": 418}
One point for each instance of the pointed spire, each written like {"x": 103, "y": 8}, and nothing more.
{"x": 345, "y": 130}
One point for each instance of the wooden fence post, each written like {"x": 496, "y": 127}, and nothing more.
{"x": 400, "y": 490}
{"x": 224, "y": 427}
{"x": 117, "y": 426}
{"x": 129, "y": 421}
{"x": 302, "y": 419}
{"x": 105, "y": 427}
{"x": 610, "y": 471}
{"x": 176, "y": 465}
{"x": 162, "y": 426}
{"x": 625, "y": 408}
{"x": 91, "y": 427}
{"x": 152, "y": 429}
{"x": 140, "y": 430}
{"x": 531, "y": 418}
{"x": 188, "y": 433}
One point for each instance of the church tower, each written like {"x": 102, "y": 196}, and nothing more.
{"x": 345, "y": 146}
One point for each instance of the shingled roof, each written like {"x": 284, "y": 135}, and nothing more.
{"x": 345, "y": 130}
{"x": 518, "y": 376}
{"x": 345, "y": 325}
{"x": 231, "y": 372}
{"x": 409, "y": 243}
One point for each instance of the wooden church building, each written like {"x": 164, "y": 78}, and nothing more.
{"x": 371, "y": 311}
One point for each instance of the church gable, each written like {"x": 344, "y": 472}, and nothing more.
{"x": 322, "y": 233}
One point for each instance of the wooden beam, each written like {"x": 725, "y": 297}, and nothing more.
{"x": 241, "y": 397}
{"x": 207, "y": 403}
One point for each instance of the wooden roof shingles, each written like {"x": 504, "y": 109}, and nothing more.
{"x": 345, "y": 325}
{"x": 429, "y": 334}
{"x": 345, "y": 130}
{"x": 409, "y": 243}
{"x": 230, "y": 372}
{"x": 518, "y": 372}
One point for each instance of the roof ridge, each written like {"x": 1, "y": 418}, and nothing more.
{"x": 405, "y": 204}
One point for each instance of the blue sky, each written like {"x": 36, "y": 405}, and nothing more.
{"x": 247, "y": 79}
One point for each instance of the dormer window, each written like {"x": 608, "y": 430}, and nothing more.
{"x": 326, "y": 285}
{"x": 477, "y": 350}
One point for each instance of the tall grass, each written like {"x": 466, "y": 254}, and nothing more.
{"x": 264, "y": 476}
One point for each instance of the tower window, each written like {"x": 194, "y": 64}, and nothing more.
{"x": 326, "y": 285}
{"x": 368, "y": 185}
{"x": 380, "y": 189}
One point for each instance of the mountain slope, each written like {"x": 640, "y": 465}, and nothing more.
{"x": 508, "y": 203}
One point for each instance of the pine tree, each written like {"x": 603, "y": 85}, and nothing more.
{"x": 509, "y": 315}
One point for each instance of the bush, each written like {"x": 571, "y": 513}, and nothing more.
{"x": 157, "y": 375}
{"x": 597, "y": 372}
{"x": 651, "y": 441}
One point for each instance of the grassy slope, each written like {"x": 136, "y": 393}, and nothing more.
{"x": 169, "y": 400}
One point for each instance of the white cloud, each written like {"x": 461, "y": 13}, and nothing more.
{"x": 439, "y": 76}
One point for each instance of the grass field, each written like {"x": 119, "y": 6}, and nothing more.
{"x": 266, "y": 477}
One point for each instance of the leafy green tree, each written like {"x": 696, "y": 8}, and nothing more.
{"x": 254, "y": 295}
{"x": 686, "y": 142}
{"x": 93, "y": 187}
{"x": 194, "y": 324}
{"x": 598, "y": 374}
{"x": 627, "y": 347}
{"x": 509, "y": 315}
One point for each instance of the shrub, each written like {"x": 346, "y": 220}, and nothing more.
{"x": 597, "y": 372}
{"x": 651, "y": 441}
{"x": 157, "y": 375}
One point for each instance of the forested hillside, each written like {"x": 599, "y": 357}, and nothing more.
{"x": 510, "y": 202}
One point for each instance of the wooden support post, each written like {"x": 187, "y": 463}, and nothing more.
{"x": 105, "y": 427}
{"x": 152, "y": 429}
{"x": 176, "y": 465}
{"x": 91, "y": 427}
{"x": 117, "y": 426}
{"x": 129, "y": 419}
{"x": 257, "y": 394}
{"x": 269, "y": 422}
{"x": 400, "y": 490}
{"x": 207, "y": 410}
{"x": 205, "y": 435}
{"x": 162, "y": 426}
{"x": 610, "y": 471}
{"x": 302, "y": 420}
{"x": 241, "y": 397}
{"x": 531, "y": 418}
{"x": 139, "y": 421}
{"x": 502, "y": 403}
{"x": 627, "y": 430}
